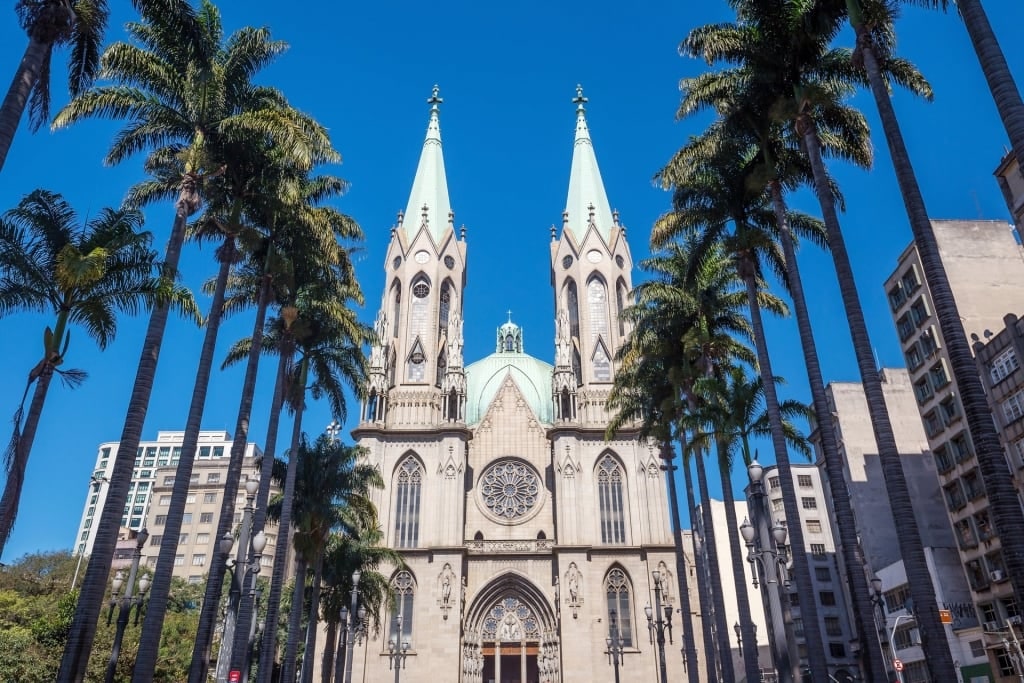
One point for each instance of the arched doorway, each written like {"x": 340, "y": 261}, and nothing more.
{"x": 511, "y": 635}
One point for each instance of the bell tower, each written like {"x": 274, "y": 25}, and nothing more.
{"x": 590, "y": 273}
{"x": 416, "y": 365}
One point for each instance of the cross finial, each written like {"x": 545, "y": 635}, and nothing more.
{"x": 509, "y": 315}
{"x": 434, "y": 99}
{"x": 579, "y": 100}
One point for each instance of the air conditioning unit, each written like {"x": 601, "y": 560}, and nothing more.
{"x": 1014, "y": 620}
{"x": 991, "y": 626}
{"x": 997, "y": 575}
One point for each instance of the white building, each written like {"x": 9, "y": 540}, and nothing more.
{"x": 521, "y": 525}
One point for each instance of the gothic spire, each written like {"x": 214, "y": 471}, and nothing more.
{"x": 587, "y": 201}
{"x": 428, "y": 201}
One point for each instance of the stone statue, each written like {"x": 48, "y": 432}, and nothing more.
{"x": 380, "y": 329}
{"x": 563, "y": 338}
{"x": 509, "y": 629}
{"x": 454, "y": 340}
{"x": 447, "y": 578}
{"x": 573, "y": 578}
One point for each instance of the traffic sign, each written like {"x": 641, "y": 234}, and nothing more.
{"x": 236, "y": 676}
{"x": 945, "y": 616}
{"x": 897, "y": 664}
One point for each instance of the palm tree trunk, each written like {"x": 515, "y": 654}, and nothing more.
{"x": 801, "y": 566}
{"x": 268, "y": 648}
{"x": 863, "y": 608}
{"x": 922, "y": 590}
{"x": 330, "y": 643}
{"x": 685, "y": 608}
{"x": 309, "y": 653}
{"x": 714, "y": 573}
{"x": 1000, "y": 82}
{"x": 291, "y": 647}
{"x": 749, "y": 649}
{"x": 75, "y": 660}
{"x": 22, "y": 447}
{"x": 218, "y": 564}
{"x": 707, "y": 628}
{"x": 156, "y": 607}
{"x": 25, "y": 78}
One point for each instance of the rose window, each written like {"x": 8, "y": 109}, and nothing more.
{"x": 510, "y": 489}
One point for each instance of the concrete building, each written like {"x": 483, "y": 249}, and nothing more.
{"x": 1011, "y": 182}
{"x": 522, "y": 527}
{"x": 149, "y": 495}
{"x": 876, "y": 531}
{"x": 985, "y": 266}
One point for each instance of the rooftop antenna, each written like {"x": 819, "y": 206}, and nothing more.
{"x": 977, "y": 204}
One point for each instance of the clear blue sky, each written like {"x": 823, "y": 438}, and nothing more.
{"x": 507, "y": 72}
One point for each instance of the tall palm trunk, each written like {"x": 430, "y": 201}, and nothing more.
{"x": 309, "y": 653}
{"x": 1000, "y": 82}
{"x": 1006, "y": 510}
{"x": 842, "y": 511}
{"x": 707, "y": 627}
{"x": 749, "y": 648}
{"x": 330, "y": 645}
{"x": 25, "y": 78}
{"x": 685, "y": 607}
{"x": 714, "y": 573}
{"x": 156, "y": 607}
{"x": 268, "y": 648}
{"x": 218, "y": 565}
{"x": 926, "y": 608}
{"x": 21, "y": 447}
{"x": 291, "y": 647}
{"x": 94, "y": 586}
{"x": 801, "y": 566}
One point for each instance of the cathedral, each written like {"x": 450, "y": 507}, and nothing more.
{"x": 526, "y": 533}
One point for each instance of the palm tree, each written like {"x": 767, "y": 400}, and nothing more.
{"x": 330, "y": 493}
{"x": 730, "y": 415}
{"x": 84, "y": 274}
{"x": 50, "y": 24}
{"x": 185, "y": 95}
{"x": 875, "y": 42}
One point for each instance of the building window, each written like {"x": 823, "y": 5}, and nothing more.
{"x": 186, "y": 518}
{"x": 798, "y": 627}
{"x": 213, "y": 478}
{"x": 977, "y": 648}
{"x": 179, "y": 560}
{"x": 616, "y": 588}
{"x": 777, "y": 505}
{"x": 823, "y": 574}
{"x": 837, "y": 650}
{"x": 939, "y": 374}
{"x": 161, "y": 520}
{"x": 804, "y": 481}
{"x": 905, "y": 326}
{"x": 915, "y": 357}
{"x": 833, "y": 627}
{"x": 981, "y": 523}
{"x": 773, "y": 482}
{"x": 610, "y": 495}
{"x": 923, "y": 390}
{"x": 897, "y": 297}
{"x": 209, "y": 497}
{"x": 896, "y": 599}
{"x": 206, "y": 518}
{"x": 955, "y": 498}
{"x": 199, "y": 560}
{"x": 407, "y": 503}
{"x": 965, "y": 533}
{"x": 620, "y": 303}
{"x": 1003, "y": 364}
{"x": 960, "y": 448}
{"x": 445, "y": 308}
{"x": 1013, "y": 405}
{"x": 973, "y": 488}
{"x": 933, "y": 423}
{"x": 919, "y": 312}
{"x": 202, "y": 539}
{"x": 809, "y": 503}
{"x": 950, "y": 410}
{"x": 168, "y": 481}
{"x": 903, "y": 637}
{"x": 165, "y": 501}
{"x": 827, "y": 598}
{"x": 943, "y": 459}
{"x": 1005, "y": 662}
{"x": 404, "y": 589}
{"x": 910, "y": 280}
{"x": 818, "y": 549}
{"x": 190, "y": 498}
{"x": 814, "y": 526}
{"x": 597, "y": 307}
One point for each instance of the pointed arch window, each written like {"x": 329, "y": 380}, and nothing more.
{"x": 396, "y": 309}
{"x": 577, "y": 366}
{"x": 444, "y": 309}
{"x": 404, "y": 587}
{"x": 616, "y": 587}
{"x": 420, "y": 308}
{"x": 620, "y": 303}
{"x": 416, "y": 364}
{"x": 572, "y": 300}
{"x": 408, "y": 484}
{"x": 602, "y": 364}
{"x": 442, "y": 367}
{"x": 597, "y": 308}
{"x": 610, "y": 499}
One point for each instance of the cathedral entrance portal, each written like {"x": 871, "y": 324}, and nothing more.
{"x": 511, "y": 635}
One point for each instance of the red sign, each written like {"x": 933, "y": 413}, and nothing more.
{"x": 236, "y": 676}
{"x": 897, "y": 664}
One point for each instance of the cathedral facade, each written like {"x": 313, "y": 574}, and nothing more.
{"x": 524, "y": 530}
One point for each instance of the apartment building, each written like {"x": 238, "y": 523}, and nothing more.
{"x": 835, "y": 621}
{"x": 150, "y": 495}
{"x": 985, "y": 266}
{"x": 1011, "y": 182}
{"x": 876, "y": 533}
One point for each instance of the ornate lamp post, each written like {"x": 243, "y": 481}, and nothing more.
{"x": 126, "y": 601}
{"x": 396, "y": 653}
{"x": 332, "y": 430}
{"x": 234, "y": 643}
{"x": 359, "y": 631}
{"x": 351, "y": 636}
{"x": 614, "y": 643}
{"x": 659, "y": 621}
{"x": 766, "y": 552}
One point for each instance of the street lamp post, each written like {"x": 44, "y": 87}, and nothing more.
{"x": 614, "y": 643}
{"x": 332, "y": 430}
{"x": 766, "y": 552}
{"x": 126, "y": 601}
{"x": 658, "y": 622}
{"x": 243, "y": 570}
{"x": 351, "y": 639}
{"x": 878, "y": 602}
{"x": 397, "y": 653}
{"x": 343, "y": 652}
